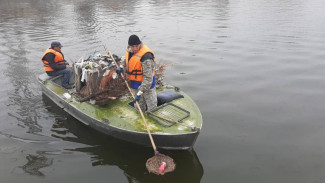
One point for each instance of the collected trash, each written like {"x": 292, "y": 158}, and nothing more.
{"x": 67, "y": 95}
{"x": 162, "y": 167}
{"x": 96, "y": 78}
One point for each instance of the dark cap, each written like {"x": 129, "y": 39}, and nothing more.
{"x": 134, "y": 40}
{"x": 56, "y": 44}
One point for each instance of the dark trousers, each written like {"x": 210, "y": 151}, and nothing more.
{"x": 66, "y": 73}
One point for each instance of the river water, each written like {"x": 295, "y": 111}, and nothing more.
{"x": 255, "y": 69}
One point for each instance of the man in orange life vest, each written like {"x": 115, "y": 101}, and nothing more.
{"x": 55, "y": 65}
{"x": 140, "y": 71}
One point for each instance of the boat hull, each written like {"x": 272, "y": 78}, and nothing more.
{"x": 182, "y": 141}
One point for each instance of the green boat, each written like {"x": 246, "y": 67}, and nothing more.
{"x": 174, "y": 124}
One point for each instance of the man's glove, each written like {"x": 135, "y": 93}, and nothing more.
{"x": 137, "y": 97}
{"x": 119, "y": 70}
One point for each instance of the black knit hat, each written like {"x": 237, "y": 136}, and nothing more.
{"x": 134, "y": 40}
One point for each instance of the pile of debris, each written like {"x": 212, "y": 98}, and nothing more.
{"x": 96, "y": 78}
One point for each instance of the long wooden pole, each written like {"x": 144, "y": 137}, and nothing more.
{"x": 143, "y": 118}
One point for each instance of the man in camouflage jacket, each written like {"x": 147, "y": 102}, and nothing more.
{"x": 140, "y": 71}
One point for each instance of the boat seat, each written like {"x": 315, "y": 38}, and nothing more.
{"x": 44, "y": 77}
{"x": 167, "y": 96}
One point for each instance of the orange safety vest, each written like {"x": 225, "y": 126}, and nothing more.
{"x": 134, "y": 67}
{"x": 58, "y": 59}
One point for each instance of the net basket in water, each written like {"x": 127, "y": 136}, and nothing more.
{"x": 153, "y": 164}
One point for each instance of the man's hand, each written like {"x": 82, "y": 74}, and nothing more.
{"x": 119, "y": 70}
{"x": 137, "y": 97}
{"x": 68, "y": 66}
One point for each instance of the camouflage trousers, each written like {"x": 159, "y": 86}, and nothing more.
{"x": 148, "y": 100}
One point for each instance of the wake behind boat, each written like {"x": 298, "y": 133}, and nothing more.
{"x": 174, "y": 124}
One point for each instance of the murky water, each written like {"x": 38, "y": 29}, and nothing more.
{"x": 255, "y": 68}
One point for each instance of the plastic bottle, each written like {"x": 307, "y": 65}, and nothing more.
{"x": 162, "y": 167}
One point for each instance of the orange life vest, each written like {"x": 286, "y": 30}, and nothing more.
{"x": 58, "y": 59}
{"x": 134, "y": 67}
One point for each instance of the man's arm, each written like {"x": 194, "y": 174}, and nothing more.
{"x": 148, "y": 67}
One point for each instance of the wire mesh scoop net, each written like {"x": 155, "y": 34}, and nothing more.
{"x": 160, "y": 164}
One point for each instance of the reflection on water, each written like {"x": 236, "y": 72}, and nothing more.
{"x": 35, "y": 163}
{"x": 20, "y": 101}
{"x": 105, "y": 150}
{"x": 23, "y": 101}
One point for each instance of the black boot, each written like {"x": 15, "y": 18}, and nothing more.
{"x": 67, "y": 86}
